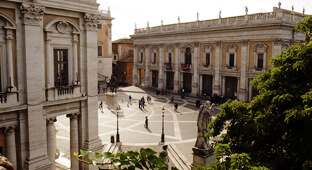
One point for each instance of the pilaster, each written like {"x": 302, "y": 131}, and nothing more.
{"x": 35, "y": 85}
{"x": 161, "y": 68}
{"x": 147, "y": 63}
{"x": 195, "y": 86}
{"x": 135, "y": 62}
{"x": 176, "y": 68}
{"x": 242, "y": 92}
{"x": 92, "y": 140}
{"x": 218, "y": 60}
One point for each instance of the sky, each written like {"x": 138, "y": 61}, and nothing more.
{"x": 128, "y": 13}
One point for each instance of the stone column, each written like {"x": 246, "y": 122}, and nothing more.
{"x": 75, "y": 58}
{"x": 51, "y": 140}
{"x": 35, "y": 84}
{"x": 176, "y": 68}
{"x": 74, "y": 146}
{"x": 10, "y": 145}
{"x": 195, "y": 70}
{"x": 161, "y": 68}
{"x": 147, "y": 63}
{"x": 218, "y": 61}
{"x": 135, "y": 62}
{"x": 49, "y": 61}
{"x": 9, "y": 37}
{"x": 242, "y": 92}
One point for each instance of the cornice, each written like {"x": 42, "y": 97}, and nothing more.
{"x": 215, "y": 29}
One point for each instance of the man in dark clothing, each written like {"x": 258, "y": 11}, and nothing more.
{"x": 146, "y": 122}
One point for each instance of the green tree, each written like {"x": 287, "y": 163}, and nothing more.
{"x": 305, "y": 26}
{"x": 130, "y": 160}
{"x": 274, "y": 129}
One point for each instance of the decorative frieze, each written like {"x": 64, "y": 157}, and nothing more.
{"x": 33, "y": 14}
{"x": 91, "y": 21}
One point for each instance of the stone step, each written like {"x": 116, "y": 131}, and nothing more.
{"x": 177, "y": 158}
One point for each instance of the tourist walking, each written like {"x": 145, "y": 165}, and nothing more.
{"x": 101, "y": 106}
{"x": 130, "y": 99}
{"x": 146, "y": 122}
{"x": 176, "y": 106}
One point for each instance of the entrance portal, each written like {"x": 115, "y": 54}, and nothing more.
{"x": 231, "y": 87}
{"x": 169, "y": 80}
{"x": 207, "y": 85}
{"x": 155, "y": 78}
{"x": 187, "y": 82}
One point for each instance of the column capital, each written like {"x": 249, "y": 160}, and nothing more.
{"x": 73, "y": 116}
{"x": 218, "y": 43}
{"x": 245, "y": 42}
{"x": 277, "y": 41}
{"x": 51, "y": 120}
{"x": 147, "y": 45}
{"x": 48, "y": 39}
{"x": 161, "y": 45}
{"x": 9, "y": 129}
{"x": 177, "y": 45}
{"x": 75, "y": 40}
{"x": 33, "y": 14}
{"x": 196, "y": 44}
{"x": 9, "y": 37}
{"x": 91, "y": 21}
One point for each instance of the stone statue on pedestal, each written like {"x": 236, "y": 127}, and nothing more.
{"x": 203, "y": 151}
{"x": 204, "y": 118}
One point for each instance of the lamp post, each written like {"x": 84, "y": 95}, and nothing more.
{"x": 117, "y": 135}
{"x": 163, "y": 123}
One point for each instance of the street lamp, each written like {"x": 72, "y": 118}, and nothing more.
{"x": 117, "y": 135}
{"x": 162, "y": 129}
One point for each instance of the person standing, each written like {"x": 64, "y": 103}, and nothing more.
{"x": 146, "y": 122}
{"x": 130, "y": 99}
{"x": 176, "y": 106}
{"x": 101, "y": 106}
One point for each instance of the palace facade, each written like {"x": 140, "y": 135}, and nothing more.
{"x": 48, "y": 68}
{"x": 219, "y": 56}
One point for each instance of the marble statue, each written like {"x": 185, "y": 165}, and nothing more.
{"x": 220, "y": 14}
{"x": 204, "y": 118}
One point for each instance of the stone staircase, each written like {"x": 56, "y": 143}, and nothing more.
{"x": 177, "y": 158}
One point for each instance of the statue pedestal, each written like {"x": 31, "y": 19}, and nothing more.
{"x": 111, "y": 101}
{"x": 202, "y": 157}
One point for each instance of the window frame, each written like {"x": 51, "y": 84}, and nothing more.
{"x": 100, "y": 52}
{"x": 207, "y": 50}
{"x": 56, "y": 83}
{"x": 231, "y": 49}
{"x": 260, "y": 48}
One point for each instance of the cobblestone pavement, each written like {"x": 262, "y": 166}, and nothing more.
{"x": 180, "y": 127}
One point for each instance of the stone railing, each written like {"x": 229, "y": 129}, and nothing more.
{"x": 105, "y": 13}
{"x": 3, "y": 97}
{"x": 65, "y": 90}
{"x": 268, "y": 17}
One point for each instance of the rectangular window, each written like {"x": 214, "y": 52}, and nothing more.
{"x": 99, "y": 26}
{"x": 100, "y": 51}
{"x": 231, "y": 62}
{"x": 207, "y": 59}
{"x": 155, "y": 58}
{"x": 170, "y": 59}
{"x": 60, "y": 67}
{"x": 141, "y": 58}
{"x": 260, "y": 61}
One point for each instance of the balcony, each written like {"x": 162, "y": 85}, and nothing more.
{"x": 8, "y": 99}
{"x": 185, "y": 67}
{"x": 63, "y": 92}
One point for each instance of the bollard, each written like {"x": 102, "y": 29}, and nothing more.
{"x": 112, "y": 139}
